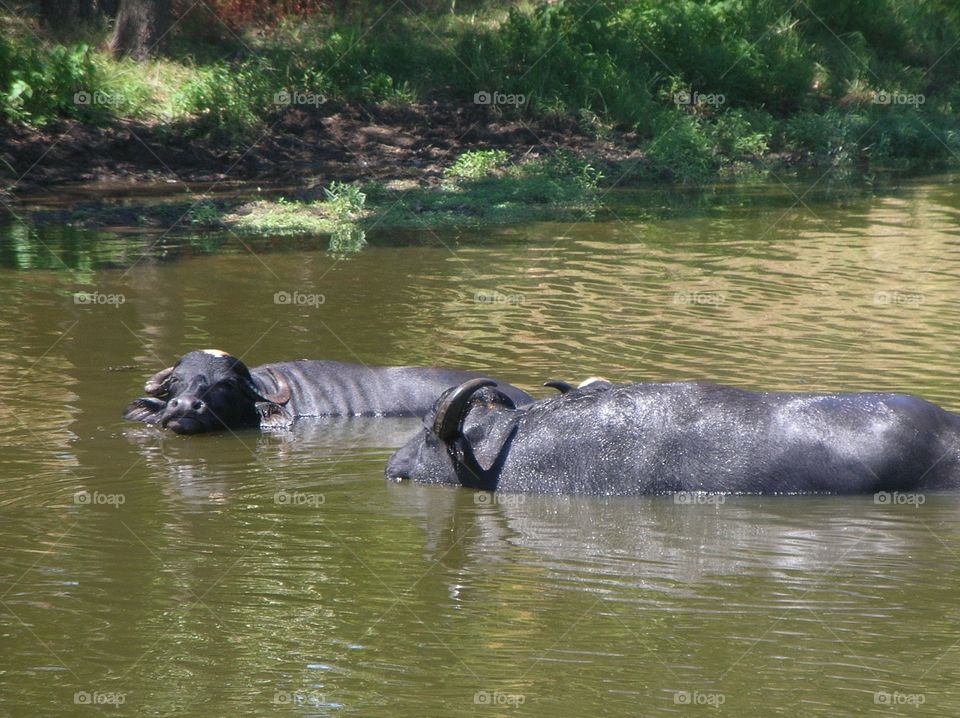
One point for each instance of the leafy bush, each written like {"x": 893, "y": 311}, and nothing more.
{"x": 229, "y": 100}
{"x": 38, "y": 84}
{"x": 826, "y": 133}
{"x": 681, "y": 150}
{"x": 737, "y": 134}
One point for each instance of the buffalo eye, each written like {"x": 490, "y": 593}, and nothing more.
{"x": 230, "y": 384}
{"x": 224, "y": 386}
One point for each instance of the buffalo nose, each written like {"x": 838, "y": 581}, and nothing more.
{"x": 191, "y": 403}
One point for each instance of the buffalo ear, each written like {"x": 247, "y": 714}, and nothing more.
{"x": 145, "y": 410}
{"x": 159, "y": 383}
{"x": 280, "y": 396}
{"x": 488, "y": 442}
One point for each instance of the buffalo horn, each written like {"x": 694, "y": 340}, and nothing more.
{"x": 446, "y": 423}
{"x": 561, "y": 386}
{"x": 157, "y": 384}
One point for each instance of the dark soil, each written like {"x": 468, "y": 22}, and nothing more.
{"x": 308, "y": 149}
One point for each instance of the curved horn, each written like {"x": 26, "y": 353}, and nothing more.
{"x": 446, "y": 423}
{"x": 157, "y": 384}
{"x": 561, "y": 386}
{"x": 280, "y": 396}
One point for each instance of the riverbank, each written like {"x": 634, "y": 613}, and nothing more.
{"x": 334, "y": 142}
{"x": 389, "y": 102}
{"x": 481, "y": 187}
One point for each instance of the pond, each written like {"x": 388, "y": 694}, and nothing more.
{"x": 253, "y": 573}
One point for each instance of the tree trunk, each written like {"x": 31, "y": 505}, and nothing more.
{"x": 141, "y": 25}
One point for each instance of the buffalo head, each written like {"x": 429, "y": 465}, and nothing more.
{"x": 206, "y": 391}
{"x": 463, "y": 440}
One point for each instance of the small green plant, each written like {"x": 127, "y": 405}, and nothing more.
{"x": 564, "y": 164}
{"x": 345, "y": 201}
{"x": 204, "y": 213}
{"x": 475, "y": 164}
{"x": 590, "y": 123}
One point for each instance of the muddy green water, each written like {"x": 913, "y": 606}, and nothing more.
{"x": 257, "y": 574}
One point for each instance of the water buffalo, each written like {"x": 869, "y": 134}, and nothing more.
{"x": 210, "y": 390}
{"x": 609, "y": 439}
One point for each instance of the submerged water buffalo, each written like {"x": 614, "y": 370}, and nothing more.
{"x": 209, "y": 390}
{"x": 653, "y": 438}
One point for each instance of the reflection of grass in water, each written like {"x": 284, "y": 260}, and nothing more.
{"x": 558, "y": 189}
{"x": 59, "y": 247}
{"x": 347, "y": 240}
{"x": 478, "y": 189}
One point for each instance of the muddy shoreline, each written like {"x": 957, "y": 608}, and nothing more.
{"x": 301, "y": 149}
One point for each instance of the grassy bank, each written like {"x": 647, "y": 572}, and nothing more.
{"x": 479, "y": 188}
{"x": 702, "y": 89}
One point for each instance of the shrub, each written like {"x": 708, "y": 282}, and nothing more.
{"x": 681, "y": 149}
{"x": 738, "y": 134}
{"x": 38, "y": 84}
